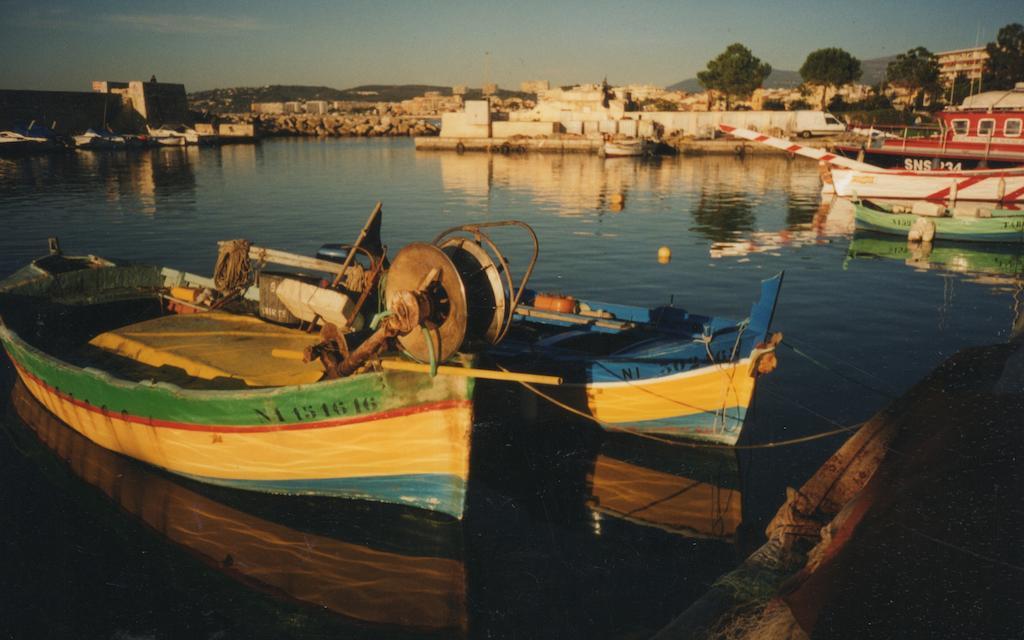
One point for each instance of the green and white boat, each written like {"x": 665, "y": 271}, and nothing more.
{"x": 962, "y": 223}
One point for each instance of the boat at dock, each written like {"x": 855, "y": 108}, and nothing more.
{"x": 854, "y": 179}
{"x": 885, "y": 516}
{"x": 209, "y": 378}
{"x": 991, "y": 185}
{"x": 109, "y": 349}
{"x": 34, "y": 138}
{"x": 659, "y": 371}
{"x": 986, "y": 130}
{"x": 173, "y": 135}
{"x": 925, "y": 221}
{"x": 95, "y": 140}
{"x": 621, "y": 147}
{"x": 13, "y": 143}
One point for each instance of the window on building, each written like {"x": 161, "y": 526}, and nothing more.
{"x": 986, "y": 127}
{"x": 960, "y": 127}
{"x": 1012, "y": 127}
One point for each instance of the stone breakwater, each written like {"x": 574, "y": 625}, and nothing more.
{"x": 339, "y": 125}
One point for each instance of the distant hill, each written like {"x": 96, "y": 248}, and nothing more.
{"x": 874, "y": 69}
{"x": 778, "y": 79}
{"x": 240, "y": 99}
{"x": 873, "y": 73}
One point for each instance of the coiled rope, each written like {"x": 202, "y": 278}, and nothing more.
{"x": 232, "y": 271}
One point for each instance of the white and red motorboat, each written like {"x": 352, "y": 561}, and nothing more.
{"x": 851, "y": 178}
{"x": 991, "y": 185}
{"x": 987, "y": 130}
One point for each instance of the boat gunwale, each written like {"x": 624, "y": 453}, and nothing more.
{"x": 9, "y": 337}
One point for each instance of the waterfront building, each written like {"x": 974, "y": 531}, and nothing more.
{"x": 268, "y": 107}
{"x": 317, "y": 107}
{"x": 642, "y": 91}
{"x": 970, "y": 62}
{"x": 534, "y": 86}
{"x": 154, "y": 102}
{"x": 431, "y": 103}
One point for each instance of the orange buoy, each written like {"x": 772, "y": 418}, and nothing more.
{"x": 555, "y": 302}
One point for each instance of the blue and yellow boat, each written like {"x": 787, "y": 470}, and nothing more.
{"x": 659, "y": 370}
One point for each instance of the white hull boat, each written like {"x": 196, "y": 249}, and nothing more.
{"x": 995, "y": 185}
{"x": 852, "y": 179}
{"x": 174, "y": 136}
{"x": 94, "y": 141}
{"x": 625, "y": 147}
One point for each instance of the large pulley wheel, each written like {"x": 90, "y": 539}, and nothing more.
{"x": 443, "y": 330}
{"x": 486, "y": 294}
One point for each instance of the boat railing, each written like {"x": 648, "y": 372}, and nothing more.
{"x": 904, "y": 132}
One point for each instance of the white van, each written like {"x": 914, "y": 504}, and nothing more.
{"x": 816, "y": 123}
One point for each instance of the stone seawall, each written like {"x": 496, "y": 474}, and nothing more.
{"x": 338, "y": 125}
{"x": 66, "y": 111}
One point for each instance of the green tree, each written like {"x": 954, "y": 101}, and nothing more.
{"x": 960, "y": 88}
{"x": 830, "y": 67}
{"x": 916, "y": 70}
{"x": 736, "y": 72}
{"x": 1005, "y": 64}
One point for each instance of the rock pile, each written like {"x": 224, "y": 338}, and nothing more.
{"x": 338, "y": 125}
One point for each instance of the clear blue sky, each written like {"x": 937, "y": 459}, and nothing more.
{"x": 66, "y": 45}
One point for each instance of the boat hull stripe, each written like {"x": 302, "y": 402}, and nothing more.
{"x": 259, "y": 428}
{"x": 960, "y": 186}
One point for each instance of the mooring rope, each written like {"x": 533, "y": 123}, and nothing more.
{"x": 683, "y": 443}
{"x": 825, "y": 367}
{"x": 963, "y": 549}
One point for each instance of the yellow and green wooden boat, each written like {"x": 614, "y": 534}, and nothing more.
{"x": 202, "y": 395}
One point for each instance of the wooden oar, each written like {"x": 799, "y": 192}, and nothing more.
{"x": 470, "y": 372}
{"x": 445, "y": 370}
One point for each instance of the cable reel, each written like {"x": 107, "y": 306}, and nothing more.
{"x": 491, "y": 293}
{"x": 463, "y": 288}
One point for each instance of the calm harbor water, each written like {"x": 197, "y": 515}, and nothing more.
{"x": 561, "y": 538}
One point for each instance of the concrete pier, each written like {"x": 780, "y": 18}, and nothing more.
{"x": 682, "y": 146}
{"x": 733, "y": 146}
{"x": 511, "y": 145}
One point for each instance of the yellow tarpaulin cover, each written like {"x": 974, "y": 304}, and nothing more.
{"x": 216, "y": 345}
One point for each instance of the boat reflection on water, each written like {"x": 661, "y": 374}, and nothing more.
{"x": 983, "y": 263}
{"x": 688, "y": 491}
{"x": 833, "y": 218}
{"x": 376, "y": 571}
